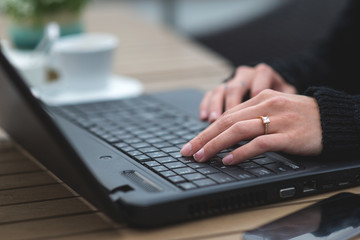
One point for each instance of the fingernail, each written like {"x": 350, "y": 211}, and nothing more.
{"x": 228, "y": 159}
{"x": 213, "y": 116}
{"x": 199, "y": 155}
{"x": 203, "y": 114}
{"x": 186, "y": 150}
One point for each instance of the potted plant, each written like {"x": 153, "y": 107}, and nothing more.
{"x": 27, "y": 18}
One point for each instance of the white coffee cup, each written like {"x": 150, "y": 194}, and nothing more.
{"x": 84, "y": 61}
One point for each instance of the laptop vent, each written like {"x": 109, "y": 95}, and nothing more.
{"x": 226, "y": 204}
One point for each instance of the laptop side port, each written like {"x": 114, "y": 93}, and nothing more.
{"x": 309, "y": 186}
{"x": 287, "y": 192}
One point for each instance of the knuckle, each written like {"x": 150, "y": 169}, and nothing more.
{"x": 218, "y": 89}
{"x": 262, "y": 67}
{"x": 234, "y": 87}
{"x": 226, "y": 120}
{"x": 200, "y": 139}
{"x": 262, "y": 143}
{"x": 212, "y": 147}
{"x": 266, "y": 93}
{"x": 241, "y": 69}
{"x": 239, "y": 127}
{"x": 278, "y": 101}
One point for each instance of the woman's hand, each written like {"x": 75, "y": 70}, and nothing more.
{"x": 294, "y": 128}
{"x": 246, "y": 79}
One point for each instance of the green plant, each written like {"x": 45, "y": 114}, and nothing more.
{"x": 35, "y": 11}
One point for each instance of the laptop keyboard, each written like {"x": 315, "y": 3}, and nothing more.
{"x": 153, "y": 133}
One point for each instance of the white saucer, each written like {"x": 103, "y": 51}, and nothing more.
{"x": 117, "y": 87}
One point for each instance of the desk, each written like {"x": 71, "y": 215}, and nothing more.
{"x": 34, "y": 204}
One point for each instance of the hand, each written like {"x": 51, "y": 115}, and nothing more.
{"x": 253, "y": 79}
{"x": 294, "y": 128}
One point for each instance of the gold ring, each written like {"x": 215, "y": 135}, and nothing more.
{"x": 265, "y": 122}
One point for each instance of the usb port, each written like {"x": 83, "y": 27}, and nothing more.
{"x": 309, "y": 186}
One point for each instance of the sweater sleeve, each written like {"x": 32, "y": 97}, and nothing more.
{"x": 333, "y": 62}
{"x": 340, "y": 120}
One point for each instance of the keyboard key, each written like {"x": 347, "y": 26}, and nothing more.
{"x": 260, "y": 172}
{"x": 204, "y": 182}
{"x": 187, "y": 186}
{"x": 197, "y": 165}
{"x": 134, "y": 153}
{"x": 154, "y": 140}
{"x": 177, "y": 141}
{"x": 128, "y": 149}
{"x": 248, "y": 165}
{"x": 183, "y": 171}
{"x": 167, "y": 159}
{"x": 207, "y": 170}
{"x": 167, "y": 173}
{"x": 176, "y": 179}
{"x": 258, "y": 156}
{"x": 161, "y": 145}
{"x": 293, "y": 165}
{"x": 168, "y": 137}
{"x": 152, "y": 163}
{"x": 193, "y": 176}
{"x": 239, "y": 174}
{"x": 140, "y": 145}
{"x": 132, "y": 140}
{"x": 278, "y": 167}
{"x": 263, "y": 160}
{"x": 176, "y": 154}
{"x": 148, "y": 149}
{"x": 156, "y": 154}
{"x": 188, "y": 137}
{"x": 142, "y": 158}
{"x": 170, "y": 149}
{"x": 173, "y": 165}
{"x": 121, "y": 145}
{"x": 221, "y": 177}
{"x": 160, "y": 168}
{"x": 186, "y": 159}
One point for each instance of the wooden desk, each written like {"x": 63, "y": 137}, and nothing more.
{"x": 36, "y": 205}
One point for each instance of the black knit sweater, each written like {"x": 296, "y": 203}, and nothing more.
{"x": 331, "y": 74}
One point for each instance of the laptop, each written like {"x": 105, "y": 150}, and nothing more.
{"x": 123, "y": 157}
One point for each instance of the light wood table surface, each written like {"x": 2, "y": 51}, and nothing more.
{"x": 34, "y": 204}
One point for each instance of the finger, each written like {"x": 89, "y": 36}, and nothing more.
{"x": 225, "y": 122}
{"x": 257, "y": 100}
{"x": 262, "y": 79}
{"x": 216, "y": 103}
{"x": 287, "y": 88}
{"x": 257, "y": 146}
{"x": 238, "y": 87}
{"x": 204, "y": 105}
{"x": 281, "y": 85}
{"x": 239, "y": 131}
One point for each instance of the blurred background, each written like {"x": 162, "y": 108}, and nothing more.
{"x": 242, "y": 31}
{"x": 246, "y": 31}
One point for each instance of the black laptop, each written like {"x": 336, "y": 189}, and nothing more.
{"x": 123, "y": 156}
